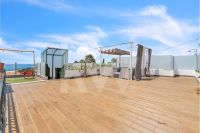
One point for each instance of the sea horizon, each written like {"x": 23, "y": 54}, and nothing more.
{"x": 11, "y": 67}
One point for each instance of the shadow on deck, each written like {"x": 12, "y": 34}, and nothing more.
{"x": 11, "y": 118}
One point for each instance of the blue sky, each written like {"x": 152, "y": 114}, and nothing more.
{"x": 81, "y": 26}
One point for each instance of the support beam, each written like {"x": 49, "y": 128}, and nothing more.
{"x": 66, "y": 58}
{"x": 119, "y": 61}
{"x": 126, "y": 43}
{"x": 34, "y": 64}
{"x": 46, "y": 57}
{"x": 53, "y": 63}
{"x": 100, "y": 69}
{"x": 16, "y": 50}
{"x": 131, "y": 67}
{"x": 55, "y": 54}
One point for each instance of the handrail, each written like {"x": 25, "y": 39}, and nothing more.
{"x": 2, "y": 99}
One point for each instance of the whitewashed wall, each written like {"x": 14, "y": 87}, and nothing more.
{"x": 77, "y": 70}
{"x": 168, "y": 65}
{"x": 41, "y": 69}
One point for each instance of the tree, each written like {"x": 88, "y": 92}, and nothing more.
{"x": 75, "y": 61}
{"x": 113, "y": 60}
{"x": 89, "y": 58}
{"x": 82, "y": 61}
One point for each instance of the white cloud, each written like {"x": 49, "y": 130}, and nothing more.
{"x": 1, "y": 41}
{"x": 56, "y": 5}
{"x": 4, "y": 44}
{"x": 12, "y": 57}
{"x": 154, "y": 22}
{"x": 79, "y": 44}
{"x": 153, "y": 11}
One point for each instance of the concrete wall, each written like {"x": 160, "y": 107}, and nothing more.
{"x": 199, "y": 61}
{"x": 77, "y": 70}
{"x": 125, "y": 61}
{"x": 168, "y": 65}
{"x": 188, "y": 62}
{"x": 73, "y": 73}
{"x": 38, "y": 69}
{"x": 162, "y": 62}
{"x": 41, "y": 69}
{"x": 186, "y": 65}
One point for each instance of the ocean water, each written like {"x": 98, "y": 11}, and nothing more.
{"x": 11, "y": 67}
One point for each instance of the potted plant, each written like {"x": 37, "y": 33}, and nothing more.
{"x": 1, "y": 67}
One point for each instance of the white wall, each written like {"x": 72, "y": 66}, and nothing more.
{"x": 77, "y": 70}
{"x": 168, "y": 65}
{"x": 41, "y": 69}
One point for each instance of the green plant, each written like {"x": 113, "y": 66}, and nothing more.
{"x": 62, "y": 72}
{"x": 47, "y": 70}
{"x": 89, "y": 58}
{"x": 82, "y": 61}
{"x": 19, "y": 80}
{"x": 74, "y": 67}
{"x": 198, "y": 71}
{"x": 113, "y": 60}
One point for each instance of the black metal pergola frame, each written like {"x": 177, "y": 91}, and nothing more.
{"x": 53, "y": 54}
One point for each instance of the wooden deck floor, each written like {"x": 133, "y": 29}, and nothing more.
{"x": 105, "y": 105}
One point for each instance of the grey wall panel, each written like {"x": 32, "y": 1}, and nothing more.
{"x": 38, "y": 68}
{"x": 49, "y": 63}
{"x": 199, "y": 61}
{"x": 125, "y": 61}
{"x": 162, "y": 62}
{"x": 43, "y": 69}
{"x": 188, "y": 62}
{"x": 57, "y": 62}
{"x": 168, "y": 62}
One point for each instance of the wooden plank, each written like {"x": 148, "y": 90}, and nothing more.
{"x": 101, "y": 104}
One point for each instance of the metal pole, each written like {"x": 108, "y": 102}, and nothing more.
{"x": 15, "y": 68}
{"x": 119, "y": 61}
{"x": 34, "y": 63}
{"x": 116, "y": 61}
{"x": 197, "y": 62}
{"x": 85, "y": 73}
{"x": 67, "y": 58}
{"x": 131, "y": 72}
{"x": 196, "y": 53}
{"x": 126, "y": 43}
{"x": 46, "y": 57}
{"x": 100, "y": 61}
{"x": 52, "y": 70}
{"x": 15, "y": 50}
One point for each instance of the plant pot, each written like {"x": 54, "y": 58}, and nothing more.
{"x": 1, "y": 67}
